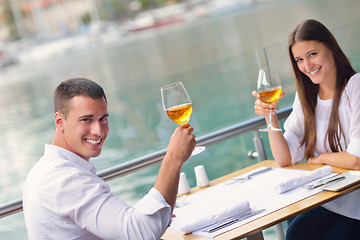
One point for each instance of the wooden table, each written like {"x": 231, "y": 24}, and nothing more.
{"x": 253, "y": 230}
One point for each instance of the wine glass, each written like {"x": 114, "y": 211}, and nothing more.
{"x": 269, "y": 89}
{"x": 177, "y": 105}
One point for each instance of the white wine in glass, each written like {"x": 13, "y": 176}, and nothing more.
{"x": 269, "y": 89}
{"x": 177, "y": 105}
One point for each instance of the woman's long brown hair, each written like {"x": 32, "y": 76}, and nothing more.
{"x": 312, "y": 30}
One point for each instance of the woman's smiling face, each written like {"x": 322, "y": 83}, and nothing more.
{"x": 315, "y": 60}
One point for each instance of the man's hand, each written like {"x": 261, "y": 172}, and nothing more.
{"x": 181, "y": 144}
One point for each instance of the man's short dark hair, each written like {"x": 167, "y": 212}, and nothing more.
{"x": 75, "y": 87}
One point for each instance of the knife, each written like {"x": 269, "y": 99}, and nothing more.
{"x": 249, "y": 175}
{"x": 233, "y": 220}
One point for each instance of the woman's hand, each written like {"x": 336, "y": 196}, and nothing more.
{"x": 263, "y": 109}
{"x": 315, "y": 160}
{"x": 279, "y": 147}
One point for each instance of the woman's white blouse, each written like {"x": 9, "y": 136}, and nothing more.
{"x": 349, "y": 111}
{"x": 63, "y": 198}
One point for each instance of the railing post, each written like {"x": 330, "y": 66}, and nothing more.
{"x": 280, "y": 231}
{"x": 259, "y": 146}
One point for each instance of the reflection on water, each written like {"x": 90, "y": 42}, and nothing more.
{"x": 214, "y": 57}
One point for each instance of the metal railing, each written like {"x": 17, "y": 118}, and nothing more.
{"x": 156, "y": 157}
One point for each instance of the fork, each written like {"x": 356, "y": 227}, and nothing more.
{"x": 324, "y": 181}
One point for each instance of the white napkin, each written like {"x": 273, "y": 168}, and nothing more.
{"x": 301, "y": 180}
{"x": 197, "y": 215}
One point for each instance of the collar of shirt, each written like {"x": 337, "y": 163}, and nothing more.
{"x": 55, "y": 151}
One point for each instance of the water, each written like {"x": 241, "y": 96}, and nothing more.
{"x": 216, "y": 58}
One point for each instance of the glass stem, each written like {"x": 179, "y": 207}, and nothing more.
{"x": 270, "y": 125}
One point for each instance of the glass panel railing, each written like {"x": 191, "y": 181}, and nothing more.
{"x": 13, "y": 227}
{"x": 222, "y": 74}
{"x": 221, "y": 96}
{"x": 347, "y": 36}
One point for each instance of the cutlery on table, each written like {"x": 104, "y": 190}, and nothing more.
{"x": 249, "y": 176}
{"x": 324, "y": 181}
{"x": 231, "y": 221}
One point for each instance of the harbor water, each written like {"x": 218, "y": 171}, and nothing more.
{"x": 217, "y": 58}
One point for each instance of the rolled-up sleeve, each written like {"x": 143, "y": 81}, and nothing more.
{"x": 93, "y": 207}
{"x": 353, "y": 90}
{"x": 148, "y": 219}
{"x": 152, "y": 202}
{"x": 354, "y": 147}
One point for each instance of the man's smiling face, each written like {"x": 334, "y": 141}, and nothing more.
{"x": 86, "y": 126}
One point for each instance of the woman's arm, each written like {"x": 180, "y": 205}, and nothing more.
{"x": 279, "y": 148}
{"x": 350, "y": 158}
{"x": 278, "y": 144}
{"x": 337, "y": 159}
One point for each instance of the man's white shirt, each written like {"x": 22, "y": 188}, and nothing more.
{"x": 63, "y": 198}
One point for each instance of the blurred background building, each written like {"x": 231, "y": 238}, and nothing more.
{"x": 25, "y": 23}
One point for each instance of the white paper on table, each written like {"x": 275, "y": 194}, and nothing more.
{"x": 259, "y": 191}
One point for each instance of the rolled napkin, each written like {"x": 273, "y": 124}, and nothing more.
{"x": 193, "y": 217}
{"x": 301, "y": 180}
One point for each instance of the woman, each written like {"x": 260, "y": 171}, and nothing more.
{"x": 324, "y": 127}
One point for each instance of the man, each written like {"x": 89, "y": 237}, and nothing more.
{"x": 64, "y": 199}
